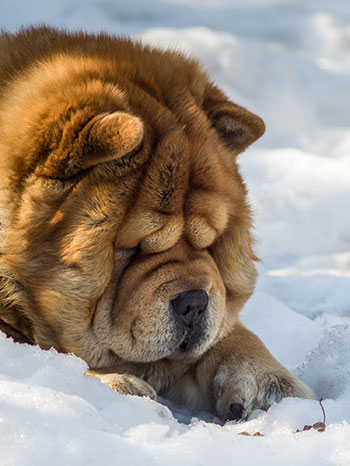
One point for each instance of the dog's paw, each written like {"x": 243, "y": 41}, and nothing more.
{"x": 126, "y": 384}
{"x": 239, "y": 389}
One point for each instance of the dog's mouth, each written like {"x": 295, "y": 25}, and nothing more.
{"x": 187, "y": 341}
{"x": 192, "y": 339}
{"x": 187, "y": 346}
{"x": 177, "y": 319}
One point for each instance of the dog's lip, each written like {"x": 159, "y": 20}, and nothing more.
{"x": 191, "y": 339}
{"x": 185, "y": 350}
{"x": 183, "y": 346}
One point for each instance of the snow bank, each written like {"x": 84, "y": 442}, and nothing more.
{"x": 289, "y": 61}
{"x": 50, "y": 413}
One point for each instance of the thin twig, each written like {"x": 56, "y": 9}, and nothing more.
{"x": 323, "y": 411}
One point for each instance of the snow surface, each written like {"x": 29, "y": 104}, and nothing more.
{"x": 289, "y": 61}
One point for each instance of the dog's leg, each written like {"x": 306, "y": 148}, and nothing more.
{"x": 126, "y": 384}
{"x": 246, "y": 376}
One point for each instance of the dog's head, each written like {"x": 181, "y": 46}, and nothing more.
{"x": 128, "y": 232}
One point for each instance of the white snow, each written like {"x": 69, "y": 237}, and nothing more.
{"x": 289, "y": 61}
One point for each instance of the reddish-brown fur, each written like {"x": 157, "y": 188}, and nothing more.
{"x": 120, "y": 190}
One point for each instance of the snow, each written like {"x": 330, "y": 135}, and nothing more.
{"x": 289, "y": 61}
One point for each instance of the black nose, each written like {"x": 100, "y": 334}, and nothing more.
{"x": 190, "y": 305}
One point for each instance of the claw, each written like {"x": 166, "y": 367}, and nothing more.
{"x": 236, "y": 411}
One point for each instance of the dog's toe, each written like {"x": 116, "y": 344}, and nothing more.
{"x": 126, "y": 384}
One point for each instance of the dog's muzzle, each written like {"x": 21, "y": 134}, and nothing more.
{"x": 190, "y": 311}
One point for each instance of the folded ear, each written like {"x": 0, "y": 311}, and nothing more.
{"x": 237, "y": 127}
{"x": 107, "y": 136}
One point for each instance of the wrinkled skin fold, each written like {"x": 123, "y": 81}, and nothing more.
{"x": 125, "y": 229}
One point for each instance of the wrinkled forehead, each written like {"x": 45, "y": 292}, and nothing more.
{"x": 190, "y": 189}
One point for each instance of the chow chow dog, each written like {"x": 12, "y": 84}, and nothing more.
{"x": 125, "y": 228}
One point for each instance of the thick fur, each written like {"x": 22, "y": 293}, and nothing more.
{"x": 120, "y": 191}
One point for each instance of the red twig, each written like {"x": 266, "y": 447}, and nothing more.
{"x": 323, "y": 411}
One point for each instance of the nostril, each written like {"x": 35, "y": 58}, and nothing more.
{"x": 190, "y": 305}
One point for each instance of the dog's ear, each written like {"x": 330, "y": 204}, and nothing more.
{"x": 237, "y": 127}
{"x": 109, "y": 137}
{"x": 105, "y": 137}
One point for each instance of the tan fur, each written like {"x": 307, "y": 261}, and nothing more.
{"x": 119, "y": 191}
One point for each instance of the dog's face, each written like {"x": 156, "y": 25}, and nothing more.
{"x": 168, "y": 299}
{"x": 131, "y": 236}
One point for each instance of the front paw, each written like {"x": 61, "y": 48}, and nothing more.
{"x": 241, "y": 388}
{"x": 126, "y": 384}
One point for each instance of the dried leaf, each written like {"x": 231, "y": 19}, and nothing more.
{"x": 319, "y": 426}
{"x": 257, "y": 434}
{"x": 307, "y": 428}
